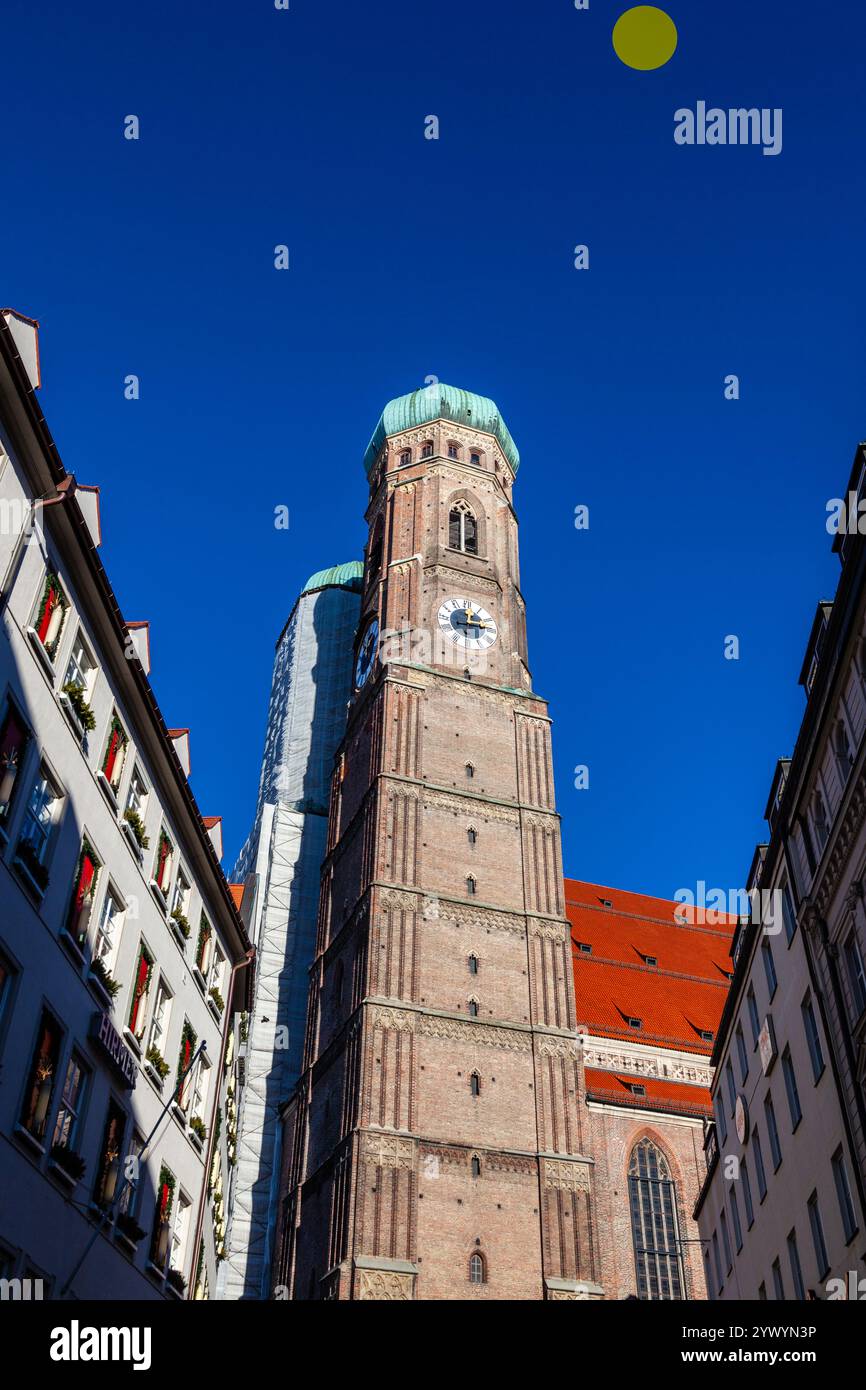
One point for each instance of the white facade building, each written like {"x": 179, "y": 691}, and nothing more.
{"x": 782, "y": 1211}
{"x": 121, "y": 947}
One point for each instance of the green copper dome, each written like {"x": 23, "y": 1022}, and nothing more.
{"x": 440, "y": 402}
{"x": 348, "y": 576}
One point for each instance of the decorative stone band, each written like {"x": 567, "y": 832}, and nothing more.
{"x": 458, "y": 578}
{"x": 565, "y": 1177}
{"x": 570, "y": 1290}
{"x": 381, "y": 1280}
{"x": 454, "y": 1029}
{"x": 389, "y": 1151}
{"x": 484, "y": 918}
{"x": 613, "y": 1057}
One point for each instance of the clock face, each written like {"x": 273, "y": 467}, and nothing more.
{"x": 367, "y": 653}
{"x": 467, "y": 625}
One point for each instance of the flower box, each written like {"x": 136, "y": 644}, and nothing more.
{"x": 36, "y": 643}
{"x": 132, "y": 839}
{"x": 34, "y": 874}
{"x": 160, "y": 896}
{"x": 134, "y": 1042}
{"x": 66, "y": 1164}
{"x": 108, "y": 790}
{"x": 71, "y": 946}
{"x": 72, "y": 715}
{"x": 154, "y": 1076}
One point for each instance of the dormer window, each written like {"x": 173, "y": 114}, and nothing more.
{"x": 706, "y": 1034}
{"x": 651, "y": 960}
{"x": 585, "y": 947}
{"x": 637, "y": 1089}
{"x": 605, "y": 902}
{"x": 635, "y": 1023}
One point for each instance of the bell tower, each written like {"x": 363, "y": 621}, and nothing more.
{"x": 435, "y": 1143}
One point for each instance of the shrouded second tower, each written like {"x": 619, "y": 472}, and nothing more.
{"x": 434, "y": 1142}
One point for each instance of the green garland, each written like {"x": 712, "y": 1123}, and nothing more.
{"x": 204, "y": 932}
{"x": 188, "y": 1035}
{"x": 115, "y": 727}
{"x": 167, "y": 1179}
{"x": 52, "y": 582}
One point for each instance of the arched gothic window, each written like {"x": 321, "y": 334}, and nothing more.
{"x": 476, "y": 1166}
{"x": 473, "y": 1008}
{"x": 473, "y": 965}
{"x": 477, "y": 1272}
{"x": 475, "y": 1084}
{"x": 470, "y": 884}
{"x": 654, "y": 1227}
{"x": 463, "y": 529}
{"x": 472, "y": 834}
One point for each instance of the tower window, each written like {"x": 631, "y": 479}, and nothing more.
{"x": 453, "y": 451}
{"x": 405, "y": 457}
{"x": 427, "y": 449}
{"x": 470, "y": 884}
{"x": 471, "y": 835}
{"x": 477, "y": 1272}
{"x": 475, "y": 460}
{"x": 473, "y": 965}
{"x": 473, "y": 1008}
{"x": 462, "y": 529}
{"x": 476, "y": 1166}
{"x": 470, "y": 770}
{"x": 475, "y": 1084}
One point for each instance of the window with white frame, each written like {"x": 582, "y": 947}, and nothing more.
{"x": 217, "y": 978}
{"x": 180, "y": 898}
{"x": 201, "y": 1079}
{"x": 136, "y": 808}
{"x": 160, "y": 1019}
{"x": 109, "y": 928}
{"x": 69, "y": 1114}
{"x": 81, "y": 671}
{"x": 40, "y": 819}
{"x": 180, "y": 1234}
{"x": 130, "y": 1199}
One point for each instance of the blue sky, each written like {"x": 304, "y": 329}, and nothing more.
{"x": 454, "y": 258}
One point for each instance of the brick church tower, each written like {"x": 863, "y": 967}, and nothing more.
{"x": 434, "y": 1144}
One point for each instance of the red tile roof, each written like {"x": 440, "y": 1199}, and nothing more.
{"x": 676, "y": 1097}
{"x": 676, "y": 999}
